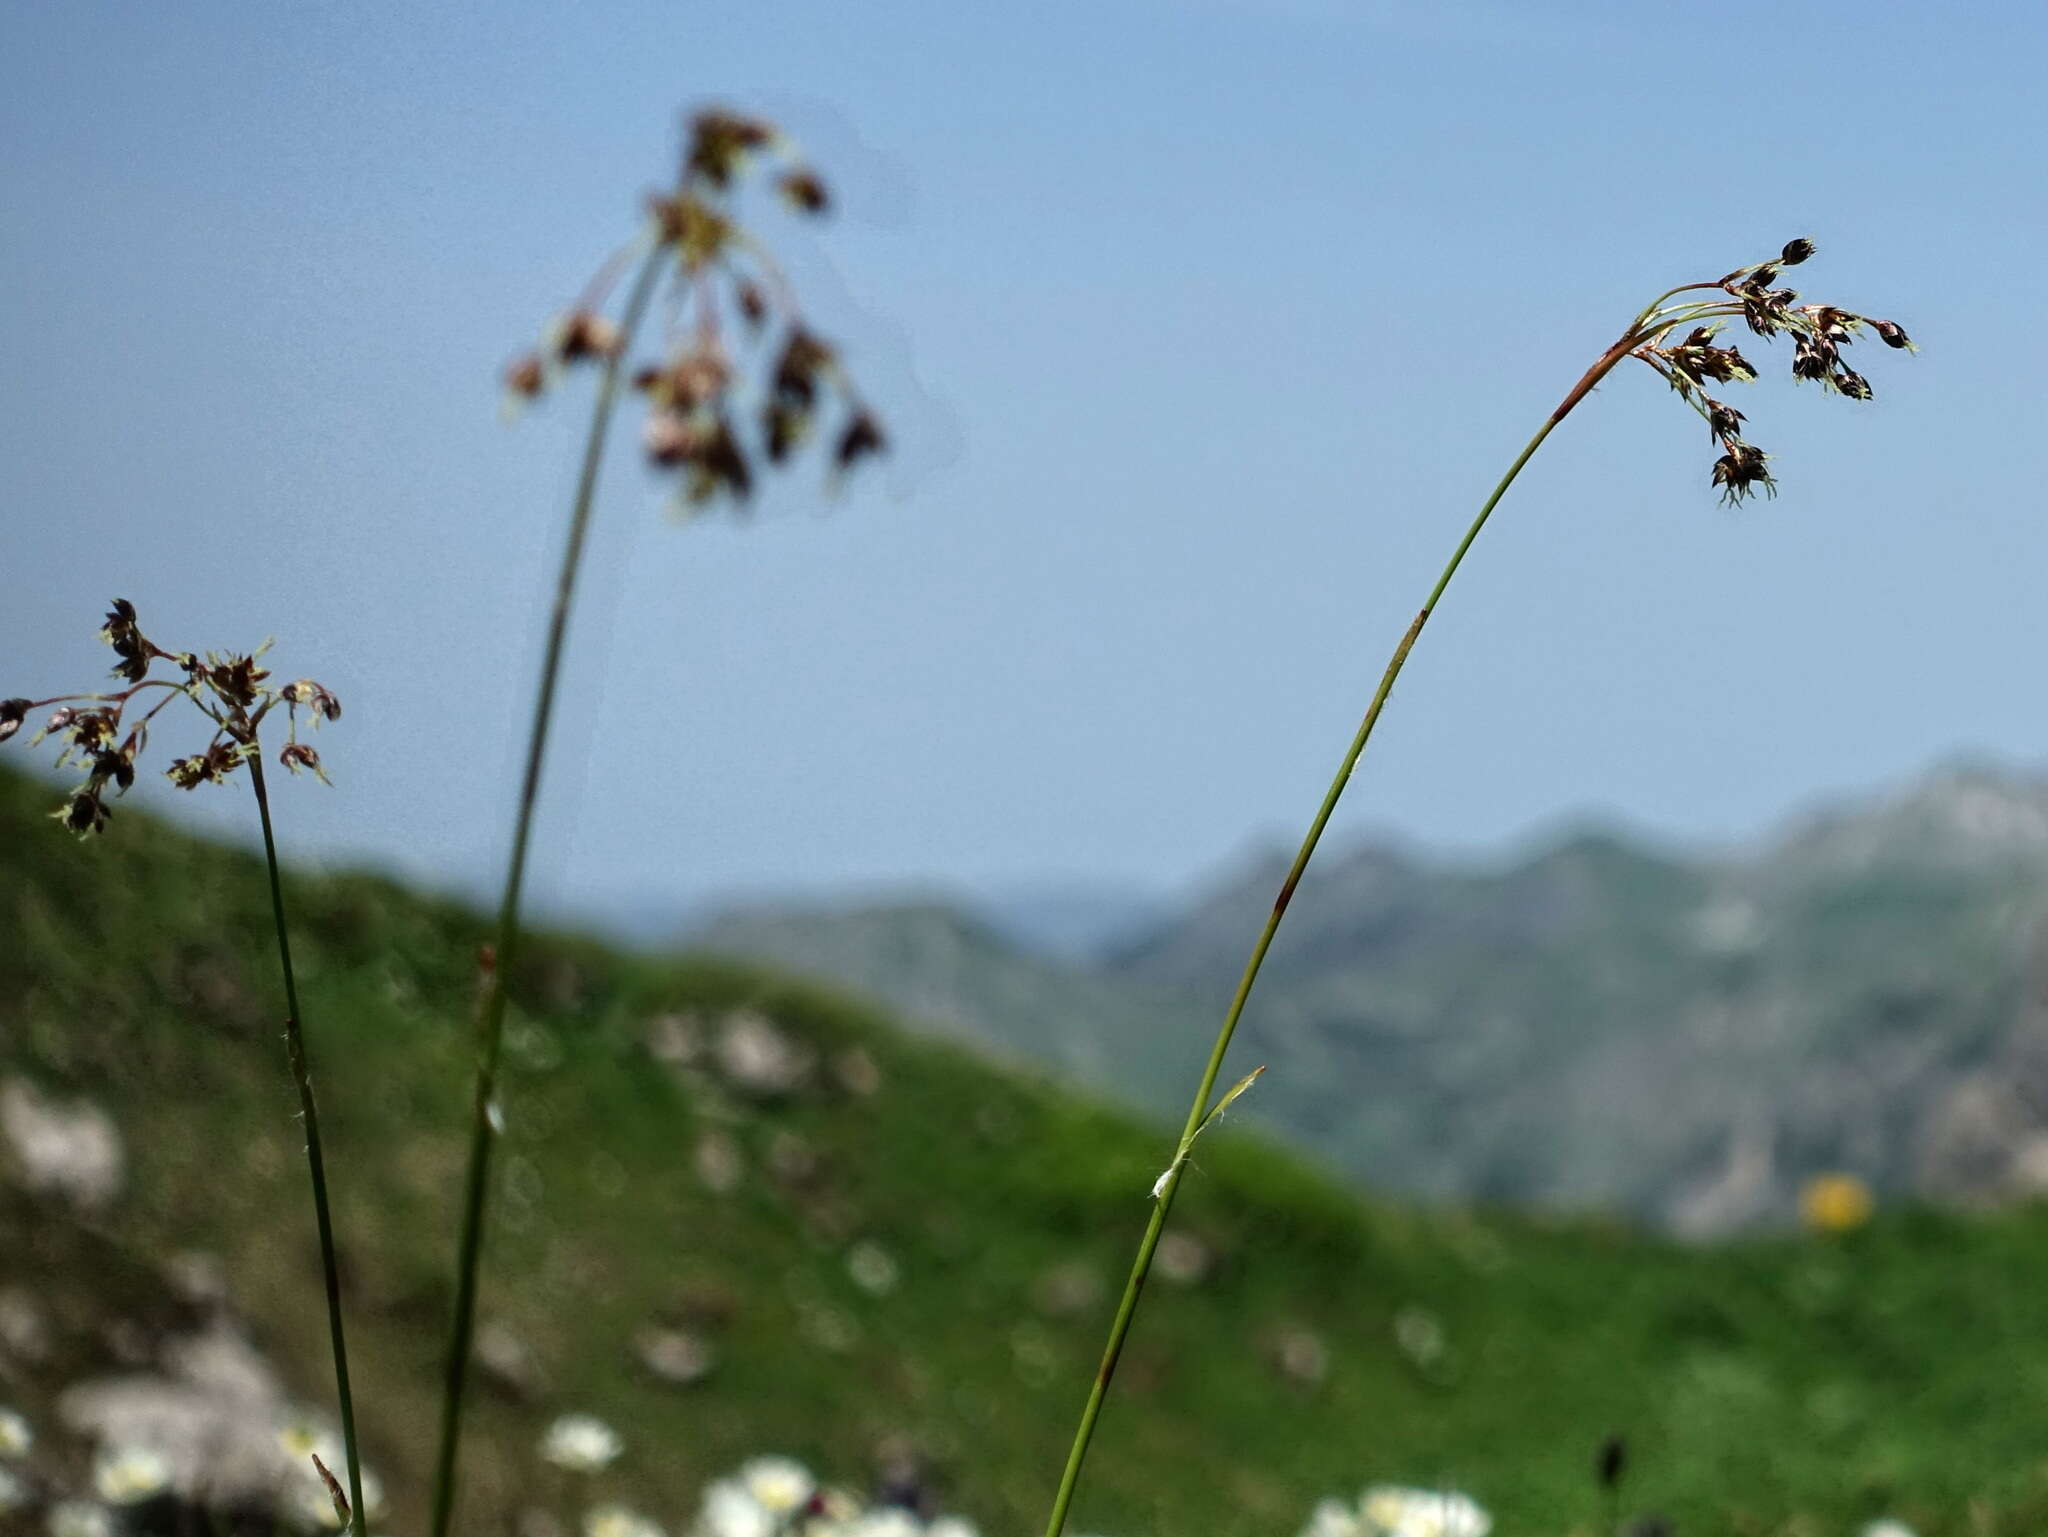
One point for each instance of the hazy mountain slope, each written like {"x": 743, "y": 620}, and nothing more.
{"x": 958, "y": 977}
{"x": 1598, "y": 1024}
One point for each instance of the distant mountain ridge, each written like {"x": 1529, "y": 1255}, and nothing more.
{"x": 1600, "y": 1023}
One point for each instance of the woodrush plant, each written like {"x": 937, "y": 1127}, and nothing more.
{"x": 1820, "y": 334}
{"x": 713, "y": 416}
{"x": 233, "y": 691}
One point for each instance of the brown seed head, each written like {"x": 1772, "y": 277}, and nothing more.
{"x": 297, "y": 755}
{"x": 85, "y": 813}
{"x": 525, "y": 377}
{"x": 862, "y": 438}
{"x": 804, "y": 190}
{"x": 315, "y": 697}
{"x": 720, "y": 142}
{"x": 1740, "y": 471}
{"x": 583, "y": 335}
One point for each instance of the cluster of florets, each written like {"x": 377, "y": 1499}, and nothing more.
{"x": 718, "y": 273}
{"x": 231, "y": 690}
{"x": 1819, "y": 332}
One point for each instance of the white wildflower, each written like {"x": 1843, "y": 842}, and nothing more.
{"x": 952, "y": 1526}
{"x": 618, "y": 1521}
{"x": 13, "y": 1492}
{"x": 779, "y": 1485}
{"x": 1332, "y": 1518}
{"x": 729, "y": 1511}
{"x": 128, "y": 1475}
{"x": 582, "y": 1443}
{"x": 1888, "y": 1528}
{"x": 80, "y": 1518}
{"x": 1394, "y": 1512}
{"x": 15, "y": 1436}
{"x": 888, "y": 1521}
{"x": 873, "y": 1268}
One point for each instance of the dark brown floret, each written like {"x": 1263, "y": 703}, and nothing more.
{"x": 525, "y": 377}
{"x": 210, "y": 767}
{"x": 720, "y": 463}
{"x": 695, "y": 378}
{"x": 1813, "y": 358}
{"x": 91, "y": 730}
{"x": 237, "y": 680}
{"x": 116, "y": 767}
{"x": 85, "y": 813}
{"x": 672, "y": 438}
{"x": 582, "y": 335}
{"x": 1723, "y": 420}
{"x": 297, "y": 755}
{"x": 1740, "y": 471}
{"x": 803, "y": 358}
{"x": 315, "y": 696}
{"x": 862, "y": 438}
{"x": 125, "y": 636}
{"x": 805, "y": 190}
{"x": 782, "y": 429}
{"x": 719, "y": 141}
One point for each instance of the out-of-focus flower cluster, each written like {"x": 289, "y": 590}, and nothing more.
{"x": 768, "y": 1496}
{"x": 1387, "y": 1510}
{"x": 231, "y": 690}
{"x": 125, "y": 1477}
{"x": 713, "y": 414}
{"x": 1820, "y": 333}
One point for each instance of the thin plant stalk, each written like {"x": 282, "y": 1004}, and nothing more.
{"x": 1201, "y": 1112}
{"x": 485, "y": 1117}
{"x": 295, "y": 1051}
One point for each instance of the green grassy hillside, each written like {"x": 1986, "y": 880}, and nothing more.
{"x": 1902, "y": 1370}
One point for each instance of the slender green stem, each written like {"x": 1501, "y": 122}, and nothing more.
{"x": 1198, "y": 1112}
{"x": 295, "y": 1051}
{"x": 484, "y": 1120}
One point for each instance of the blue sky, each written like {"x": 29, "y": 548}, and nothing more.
{"x": 1203, "y": 327}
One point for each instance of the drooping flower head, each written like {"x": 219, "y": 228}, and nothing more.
{"x": 715, "y": 411}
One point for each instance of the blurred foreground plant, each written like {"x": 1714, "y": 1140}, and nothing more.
{"x": 234, "y": 692}
{"x": 1689, "y": 364}
{"x": 719, "y": 279}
